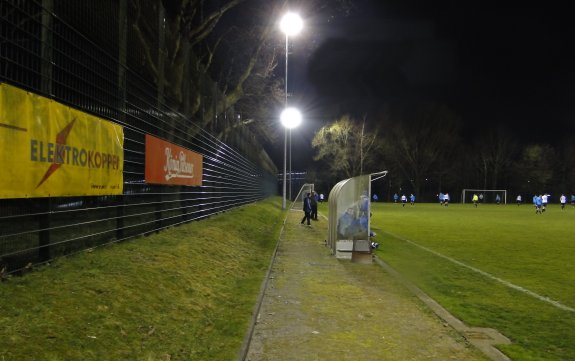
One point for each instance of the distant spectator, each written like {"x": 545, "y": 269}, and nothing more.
{"x": 307, "y": 209}
{"x": 314, "y": 197}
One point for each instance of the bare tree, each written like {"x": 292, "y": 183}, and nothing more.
{"x": 215, "y": 61}
{"x": 184, "y": 52}
{"x": 421, "y": 140}
{"x": 565, "y": 169}
{"x": 496, "y": 149}
{"x": 535, "y": 167}
{"x": 167, "y": 31}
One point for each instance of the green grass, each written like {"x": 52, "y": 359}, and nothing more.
{"x": 507, "y": 242}
{"x": 186, "y": 293}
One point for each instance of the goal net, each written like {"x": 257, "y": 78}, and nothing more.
{"x": 485, "y": 195}
{"x": 297, "y": 204}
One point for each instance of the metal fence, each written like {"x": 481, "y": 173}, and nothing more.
{"x": 42, "y": 50}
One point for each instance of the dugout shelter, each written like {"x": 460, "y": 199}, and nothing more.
{"x": 349, "y": 218}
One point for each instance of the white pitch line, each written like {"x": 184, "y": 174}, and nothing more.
{"x": 488, "y": 275}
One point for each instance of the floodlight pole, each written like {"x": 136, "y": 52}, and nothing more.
{"x": 284, "y": 182}
{"x": 285, "y": 106}
{"x": 286, "y": 83}
{"x": 290, "y": 118}
{"x": 285, "y": 131}
{"x": 290, "y": 25}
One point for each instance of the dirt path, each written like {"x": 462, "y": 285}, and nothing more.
{"x": 317, "y": 307}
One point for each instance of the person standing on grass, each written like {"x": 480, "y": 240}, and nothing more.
{"x": 395, "y": 198}
{"x": 563, "y": 201}
{"x": 313, "y": 201}
{"x": 497, "y": 199}
{"x": 412, "y": 199}
{"x": 441, "y": 198}
{"x": 306, "y": 209}
{"x": 446, "y": 199}
{"x": 573, "y": 200}
{"x": 475, "y": 199}
{"x": 403, "y": 200}
{"x": 519, "y": 200}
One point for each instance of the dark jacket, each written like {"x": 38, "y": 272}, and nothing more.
{"x": 307, "y": 204}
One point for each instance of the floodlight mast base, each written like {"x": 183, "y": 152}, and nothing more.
{"x": 285, "y": 166}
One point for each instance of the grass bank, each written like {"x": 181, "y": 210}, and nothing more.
{"x": 186, "y": 293}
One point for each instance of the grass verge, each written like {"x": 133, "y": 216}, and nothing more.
{"x": 186, "y": 293}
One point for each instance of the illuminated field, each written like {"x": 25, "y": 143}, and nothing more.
{"x": 493, "y": 266}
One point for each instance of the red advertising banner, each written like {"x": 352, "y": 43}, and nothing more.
{"x": 167, "y": 163}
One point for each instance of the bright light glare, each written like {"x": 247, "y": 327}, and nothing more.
{"x": 291, "y": 24}
{"x": 290, "y": 118}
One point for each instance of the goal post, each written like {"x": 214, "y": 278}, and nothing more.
{"x": 298, "y": 200}
{"x": 485, "y": 195}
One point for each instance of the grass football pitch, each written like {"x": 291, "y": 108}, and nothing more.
{"x": 498, "y": 266}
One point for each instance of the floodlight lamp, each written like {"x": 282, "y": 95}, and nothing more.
{"x": 290, "y": 118}
{"x": 291, "y": 24}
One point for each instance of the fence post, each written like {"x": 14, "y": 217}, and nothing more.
{"x": 44, "y": 226}
{"x": 158, "y": 212}
{"x": 120, "y": 218}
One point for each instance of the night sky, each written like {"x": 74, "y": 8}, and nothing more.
{"x": 492, "y": 63}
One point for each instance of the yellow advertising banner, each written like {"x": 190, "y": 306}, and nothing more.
{"x": 51, "y": 150}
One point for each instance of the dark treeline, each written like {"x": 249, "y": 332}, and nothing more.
{"x": 428, "y": 149}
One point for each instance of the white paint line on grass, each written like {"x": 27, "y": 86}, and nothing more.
{"x": 488, "y": 275}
